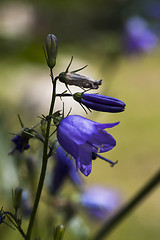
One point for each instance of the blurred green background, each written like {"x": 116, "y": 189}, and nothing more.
{"x": 92, "y": 32}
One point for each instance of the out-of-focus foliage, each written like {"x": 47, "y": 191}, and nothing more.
{"x": 86, "y": 23}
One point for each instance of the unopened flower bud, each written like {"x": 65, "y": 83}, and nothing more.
{"x": 58, "y": 233}
{"x": 100, "y": 102}
{"x": 17, "y": 196}
{"x": 51, "y": 50}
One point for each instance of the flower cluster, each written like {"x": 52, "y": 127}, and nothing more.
{"x": 79, "y": 137}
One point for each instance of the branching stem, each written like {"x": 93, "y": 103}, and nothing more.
{"x": 44, "y": 161}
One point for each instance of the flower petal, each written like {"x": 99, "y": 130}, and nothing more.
{"x": 105, "y": 125}
{"x": 102, "y": 107}
{"x": 76, "y": 128}
{"x": 97, "y": 98}
{"x": 102, "y": 140}
{"x": 84, "y": 160}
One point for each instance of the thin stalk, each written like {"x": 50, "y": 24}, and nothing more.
{"x": 64, "y": 95}
{"x": 15, "y": 225}
{"x": 44, "y": 162}
{"x": 126, "y": 209}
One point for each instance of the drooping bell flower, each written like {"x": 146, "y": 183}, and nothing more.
{"x": 64, "y": 168}
{"x": 81, "y": 137}
{"x": 21, "y": 143}
{"x": 100, "y": 102}
{"x": 99, "y": 201}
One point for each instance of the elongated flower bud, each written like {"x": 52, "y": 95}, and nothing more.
{"x": 51, "y": 50}
{"x": 82, "y": 81}
{"x": 17, "y": 196}
{"x": 99, "y": 102}
{"x": 58, "y": 233}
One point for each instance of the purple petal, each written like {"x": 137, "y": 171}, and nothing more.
{"x": 103, "y": 140}
{"x": 76, "y": 127}
{"x": 97, "y": 98}
{"x": 102, "y": 107}
{"x": 84, "y": 160}
{"x": 105, "y": 125}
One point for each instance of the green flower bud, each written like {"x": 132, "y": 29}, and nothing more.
{"x": 51, "y": 50}
{"x": 77, "y": 96}
{"x": 17, "y": 197}
{"x": 58, "y": 233}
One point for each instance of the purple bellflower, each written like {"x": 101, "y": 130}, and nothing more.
{"x": 138, "y": 36}
{"x": 21, "y": 144}
{"x": 65, "y": 168}
{"x": 81, "y": 138}
{"x": 99, "y": 201}
{"x": 99, "y": 102}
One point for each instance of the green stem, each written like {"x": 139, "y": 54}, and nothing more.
{"x": 126, "y": 209}
{"x": 44, "y": 162}
{"x": 15, "y": 225}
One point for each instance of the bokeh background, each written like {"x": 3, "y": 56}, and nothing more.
{"x": 119, "y": 41}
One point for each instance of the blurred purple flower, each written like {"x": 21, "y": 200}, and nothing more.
{"x": 100, "y": 201}
{"x": 22, "y": 143}
{"x": 138, "y": 37}
{"x": 81, "y": 137}
{"x": 26, "y": 208}
{"x": 100, "y": 102}
{"x": 65, "y": 168}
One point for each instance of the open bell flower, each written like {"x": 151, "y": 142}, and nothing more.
{"x": 100, "y": 102}
{"x": 81, "y": 137}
